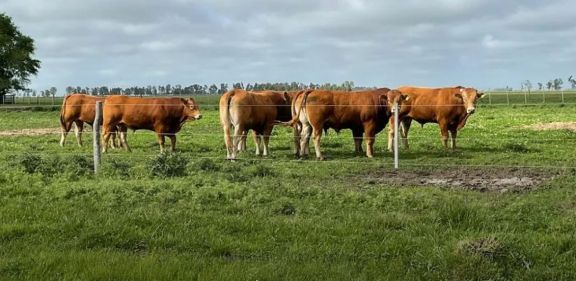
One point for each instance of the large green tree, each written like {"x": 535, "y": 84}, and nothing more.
{"x": 16, "y": 62}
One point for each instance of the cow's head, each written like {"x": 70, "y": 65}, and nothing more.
{"x": 392, "y": 97}
{"x": 191, "y": 109}
{"x": 469, "y": 97}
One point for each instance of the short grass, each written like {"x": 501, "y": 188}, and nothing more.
{"x": 277, "y": 218}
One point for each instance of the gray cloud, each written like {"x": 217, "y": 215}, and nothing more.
{"x": 483, "y": 43}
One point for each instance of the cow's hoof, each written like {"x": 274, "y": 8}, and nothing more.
{"x": 321, "y": 158}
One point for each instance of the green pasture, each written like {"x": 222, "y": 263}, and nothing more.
{"x": 278, "y": 218}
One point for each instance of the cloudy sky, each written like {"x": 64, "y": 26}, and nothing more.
{"x": 481, "y": 43}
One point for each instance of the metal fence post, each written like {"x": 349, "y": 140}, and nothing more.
{"x": 396, "y": 135}
{"x": 562, "y": 92}
{"x": 490, "y": 98}
{"x": 96, "y": 135}
{"x": 508, "y": 97}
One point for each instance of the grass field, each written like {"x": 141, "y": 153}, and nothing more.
{"x": 275, "y": 218}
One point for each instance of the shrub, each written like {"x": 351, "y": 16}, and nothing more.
{"x": 260, "y": 170}
{"x": 168, "y": 165}
{"x": 31, "y": 163}
{"x": 79, "y": 165}
{"x": 206, "y": 164}
{"x": 115, "y": 167}
{"x": 516, "y": 147}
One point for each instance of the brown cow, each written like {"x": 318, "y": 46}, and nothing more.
{"x": 78, "y": 109}
{"x": 242, "y": 111}
{"x": 364, "y": 112}
{"x": 449, "y": 107}
{"x": 165, "y": 116}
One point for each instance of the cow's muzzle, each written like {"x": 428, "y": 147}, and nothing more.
{"x": 470, "y": 110}
{"x": 198, "y": 117}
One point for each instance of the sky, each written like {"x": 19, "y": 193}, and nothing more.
{"x": 387, "y": 43}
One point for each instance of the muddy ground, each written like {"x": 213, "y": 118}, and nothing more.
{"x": 473, "y": 178}
{"x": 31, "y": 132}
{"x": 571, "y": 126}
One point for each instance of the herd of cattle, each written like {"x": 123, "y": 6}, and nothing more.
{"x": 308, "y": 112}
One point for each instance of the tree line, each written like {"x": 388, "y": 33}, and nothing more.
{"x": 194, "y": 89}
{"x": 554, "y": 84}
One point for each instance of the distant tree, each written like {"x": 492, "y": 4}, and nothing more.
{"x": 238, "y": 86}
{"x": 213, "y": 90}
{"x": 53, "y": 91}
{"x": 527, "y": 85}
{"x": 223, "y": 88}
{"x": 69, "y": 90}
{"x": 540, "y": 86}
{"x": 572, "y": 82}
{"x": 16, "y": 62}
{"x": 557, "y": 83}
{"x": 549, "y": 85}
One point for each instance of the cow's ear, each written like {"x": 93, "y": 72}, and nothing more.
{"x": 286, "y": 96}
{"x": 405, "y": 97}
{"x": 458, "y": 95}
{"x": 480, "y": 95}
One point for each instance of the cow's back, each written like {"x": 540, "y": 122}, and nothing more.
{"x": 339, "y": 109}
{"x": 144, "y": 113}
{"x": 79, "y": 107}
{"x": 432, "y": 104}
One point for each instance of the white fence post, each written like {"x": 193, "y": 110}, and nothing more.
{"x": 396, "y": 134}
{"x": 96, "y": 135}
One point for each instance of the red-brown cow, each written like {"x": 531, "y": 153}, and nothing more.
{"x": 449, "y": 107}
{"x": 364, "y": 112}
{"x": 242, "y": 111}
{"x": 165, "y": 116}
{"x": 78, "y": 109}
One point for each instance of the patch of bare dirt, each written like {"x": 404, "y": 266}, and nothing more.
{"x": 30, "y": 132}
{"x": 571, "y": 126}
{"x": 473, "y": 178}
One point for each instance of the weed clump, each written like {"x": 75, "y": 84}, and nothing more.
{"x": 206, "y": 164}
{"x": 516, "y": 147}
{"x": 31, "y": 163}
{"x": 167, "y": 165}
{"x": 261, "y": 171}
{"x": 116, "y": 168}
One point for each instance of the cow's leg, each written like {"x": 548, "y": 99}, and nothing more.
{"x": 116, "y": 138}
{"x": 228, "y": 142}
{"x": 123, "y": 136}
{"x": 65, "y": 129}
{"x": 239, "y": 133}
{"x": 296, "y": 130}
{"x": 161, "y": 140}
{"x": 317, "y": 135}
{"x": 444, "y": 133}
{"x": 266, "y": 139}
{"x": 105, "y": 137}
{"x": 257, "y": 136}
{"x": 78, "y": 128}
{"x": 405, "y": 128}
{"x": 242, "y": 143}
{"x": 173, "y": 141}
{"x": 453, "y": 135}
{"x": 370, "y": 136}
{"x": 357, "y": 136}
{"x": 242, "y": 146}
{"x": 305, "y": 139}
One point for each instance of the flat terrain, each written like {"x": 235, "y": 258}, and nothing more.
{"x": 501, "y": 207}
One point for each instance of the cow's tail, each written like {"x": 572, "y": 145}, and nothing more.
{"x": 63, "y": 111}
{"x": 296, "y": 113}
{"x": 225, "y": 108}
{"x": 226, "y": 122}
